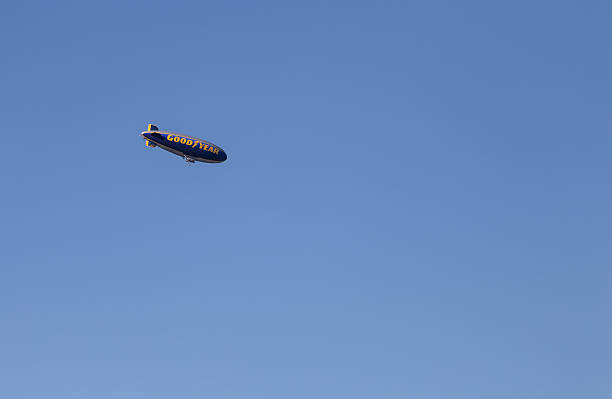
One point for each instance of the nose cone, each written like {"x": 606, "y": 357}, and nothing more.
{"x": 222, "y": 156}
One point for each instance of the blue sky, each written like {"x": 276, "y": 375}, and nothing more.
{"x": 416, "y": 201}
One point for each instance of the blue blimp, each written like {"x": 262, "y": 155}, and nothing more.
{"x": 190, "y": 148}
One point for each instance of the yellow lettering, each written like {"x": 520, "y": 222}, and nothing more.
{"x": 169, "y": 137}
{"x": 201, "y": 145}
{"x": 216, "y": 150}
{"x": 195, "y": 143}
{"x": 183, "y": 140}
{"x": 176, "y": 139}
{"x": 205, "y": 147}
{"x": 189, "y": 142}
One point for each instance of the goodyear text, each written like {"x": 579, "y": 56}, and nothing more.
{"x": 192, "y": 143}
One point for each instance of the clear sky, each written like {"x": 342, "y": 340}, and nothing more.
{"x": 416, "y": 204}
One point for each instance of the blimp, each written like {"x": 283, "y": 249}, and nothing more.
{"x": 190, "y": 148}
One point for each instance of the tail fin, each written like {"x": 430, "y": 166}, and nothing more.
{"x": 152, "y": 128}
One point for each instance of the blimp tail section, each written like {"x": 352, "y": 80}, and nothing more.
{"x": 151, "y": 128}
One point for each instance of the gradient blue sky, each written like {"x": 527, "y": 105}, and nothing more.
{"x": 417, "y": 201}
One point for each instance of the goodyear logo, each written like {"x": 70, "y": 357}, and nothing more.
{"x": 192, "y": 143}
